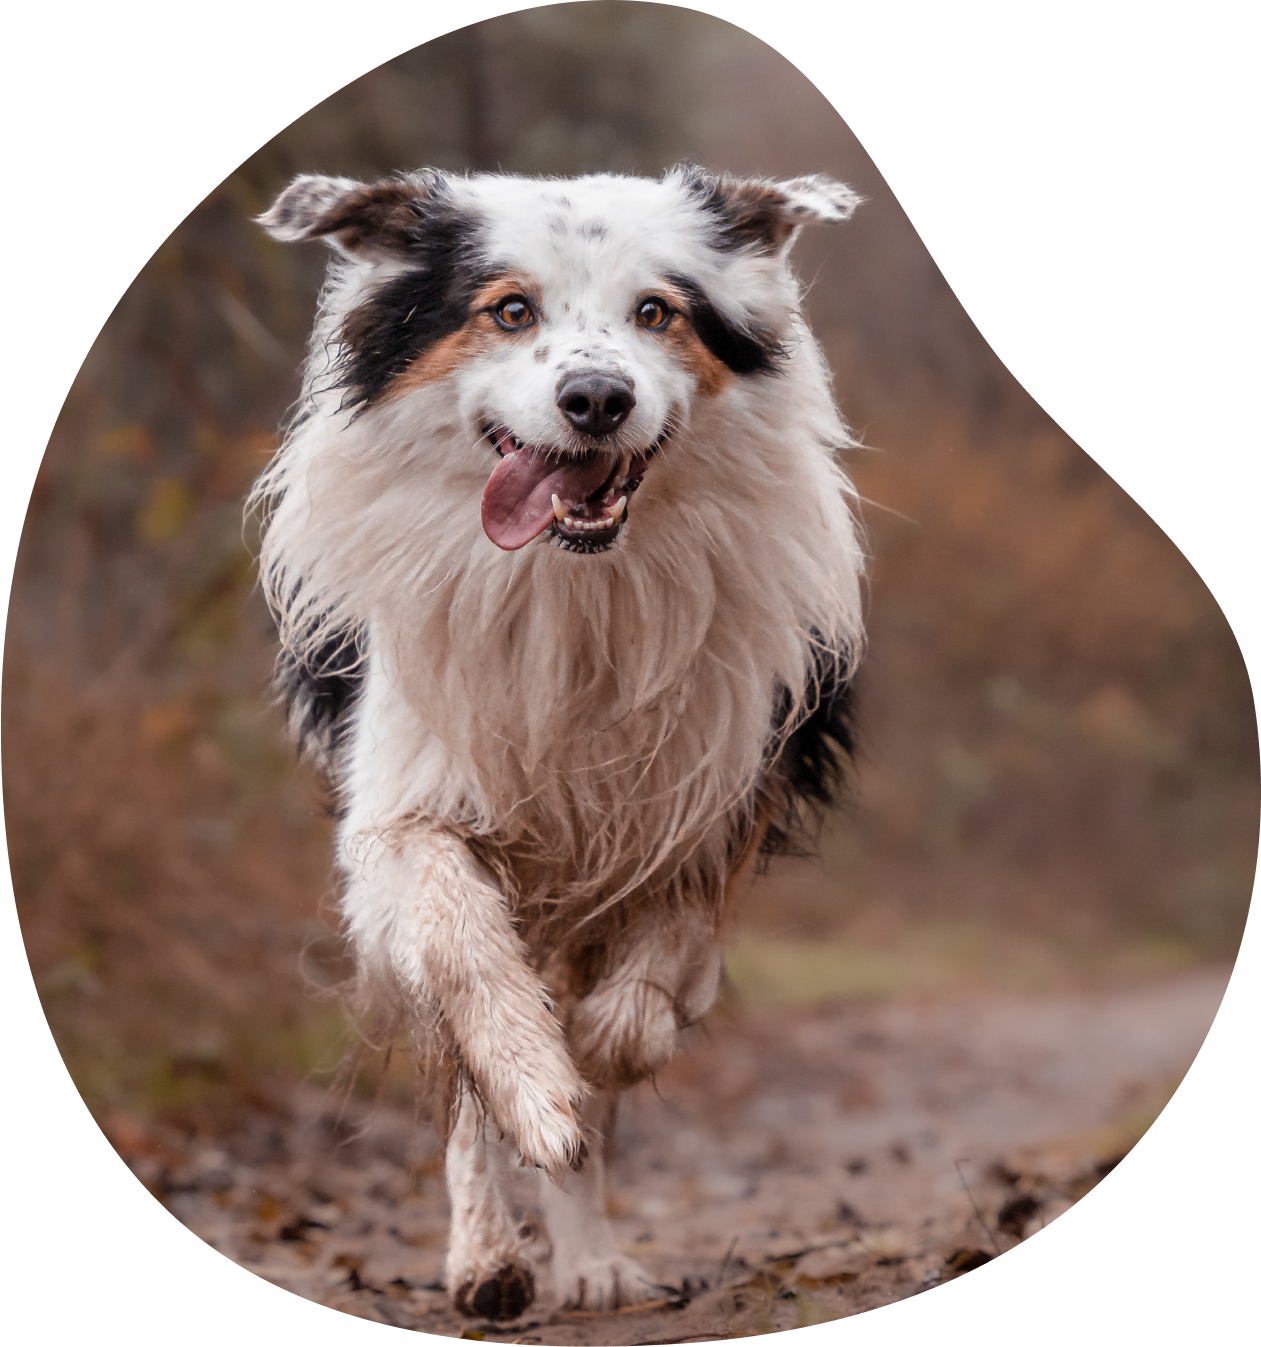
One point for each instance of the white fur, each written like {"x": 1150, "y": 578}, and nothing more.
{"x": 421, "y": 911}
{"x": 588, "y": 1270}
{"x": 484, "y": 1236}
{"x": 602, "y": 721}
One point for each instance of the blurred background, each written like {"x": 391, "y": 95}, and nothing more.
{"x": 1058, "y": 782}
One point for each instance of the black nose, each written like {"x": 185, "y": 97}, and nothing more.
{"x": 596, "y": 404}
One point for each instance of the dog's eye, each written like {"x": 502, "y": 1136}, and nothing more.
{"x": 514, "y": 312}
{"x": 653, "y": 313}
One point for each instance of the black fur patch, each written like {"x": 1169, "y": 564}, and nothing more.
{"x": 748, "y": 349}
{"x": 320, "y": 691}
{"x": 409, "y": 313}
{"x": 815, "y": 758}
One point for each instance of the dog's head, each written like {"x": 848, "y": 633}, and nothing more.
{"x": 568, "y": 328}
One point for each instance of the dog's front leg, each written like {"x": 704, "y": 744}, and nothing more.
{"x": 426, "y": 911}
{"x": 589, "y": 1271}
{"x": 488, "y": 1274}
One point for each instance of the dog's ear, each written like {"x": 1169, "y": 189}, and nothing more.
{"x": 376, "y": 220}
{"x": 818, "y": 200}
{"x": 763, "y": 214}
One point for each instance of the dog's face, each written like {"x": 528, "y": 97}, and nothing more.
{"x": 570, "y": 327}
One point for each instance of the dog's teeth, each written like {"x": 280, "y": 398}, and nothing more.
{"x": 588, "y": 525}
{"x": 623, "y": 471}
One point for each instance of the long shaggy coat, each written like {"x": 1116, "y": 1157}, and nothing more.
{"x": 567, "y": 586}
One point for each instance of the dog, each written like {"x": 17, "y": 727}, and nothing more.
{"x": 566, "y": 575}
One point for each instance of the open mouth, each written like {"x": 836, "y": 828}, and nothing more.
{"x": 582, "y": 500}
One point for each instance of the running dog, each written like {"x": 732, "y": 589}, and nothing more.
{"x": 567, "y": 583}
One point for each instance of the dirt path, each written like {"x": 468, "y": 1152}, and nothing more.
{"x": 791, "y": 1168}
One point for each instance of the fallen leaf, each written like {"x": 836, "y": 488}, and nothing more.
{"x": 967, "y": 1260}
{"x": 268, "y": 1208}
{"x": 297, "y": 1230}
{"x": 822, "y": 1264}
{"x": 836, "y": 1279}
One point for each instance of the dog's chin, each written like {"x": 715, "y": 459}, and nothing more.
{"x": 579, "y": 500}
{"x": 585, "y": 537}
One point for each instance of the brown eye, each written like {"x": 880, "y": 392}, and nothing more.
{"x": 514, "y": 312}
{"x": 653, "y": 313}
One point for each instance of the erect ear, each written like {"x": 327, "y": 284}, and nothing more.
{"x": 376, "y": 220}
{"x": 764, "y": 215}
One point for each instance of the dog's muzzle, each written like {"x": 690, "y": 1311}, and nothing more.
{"x": 583, "y": 500}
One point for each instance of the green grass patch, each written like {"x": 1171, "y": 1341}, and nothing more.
{"x": 770, "y": 970}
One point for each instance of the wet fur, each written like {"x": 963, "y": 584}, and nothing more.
{"x": 553, "y": 768}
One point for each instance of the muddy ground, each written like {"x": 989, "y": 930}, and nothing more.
{"x": 791, "y": 1167}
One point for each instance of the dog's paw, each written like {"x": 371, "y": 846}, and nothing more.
{"x": 504, "y": 1293}
{"x": 547, "y": 1132}
{"x": 608, "y": 1282}
{"x": 620, "y": 1035}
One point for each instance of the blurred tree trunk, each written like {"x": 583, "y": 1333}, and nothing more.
{"x": 479, "y": 139}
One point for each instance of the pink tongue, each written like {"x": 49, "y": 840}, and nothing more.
{"x": 517, "y": 501}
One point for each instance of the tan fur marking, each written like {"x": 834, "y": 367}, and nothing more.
{"x": 444, "y": 357}
{"x": 514, "y": 283}
{"x": 711, "y": 375}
